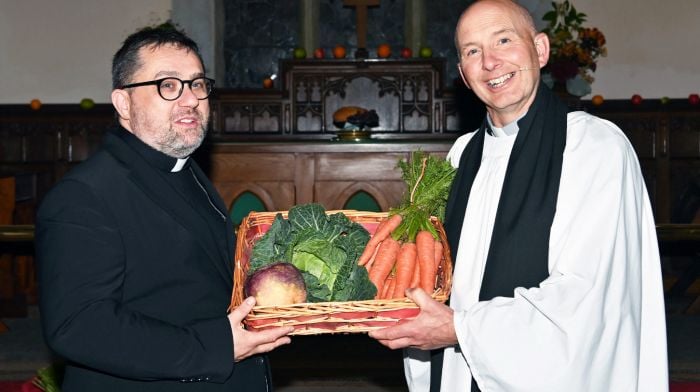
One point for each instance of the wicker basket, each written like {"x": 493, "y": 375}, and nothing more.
{"x": 329, "y": 317}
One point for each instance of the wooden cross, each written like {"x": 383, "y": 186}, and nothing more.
{"x": 361, "y": 11}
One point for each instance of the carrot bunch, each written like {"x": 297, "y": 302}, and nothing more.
{"x": 395, "y": 265}
{"x": 405, "y": 250}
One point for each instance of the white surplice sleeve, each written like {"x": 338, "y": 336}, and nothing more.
{"x": 597, "y": 322}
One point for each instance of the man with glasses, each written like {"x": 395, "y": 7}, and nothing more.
{"x": 135, "y": 247}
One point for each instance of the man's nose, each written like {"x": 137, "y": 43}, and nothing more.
{"x": 490, "y": 60}
{"x": 188, "y": 98}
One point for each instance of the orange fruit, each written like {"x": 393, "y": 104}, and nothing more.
{"x": 267, "y": 83}
{"x": 383, "y": 51}
{"x": 597, "y": 100}
{"x": 35, "y": 104}
{"x": 339, "y": 52}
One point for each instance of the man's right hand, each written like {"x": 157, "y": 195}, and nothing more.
{"x": 247, "y": 343}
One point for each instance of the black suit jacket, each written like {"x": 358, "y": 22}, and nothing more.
{"x": 134, "y": 287}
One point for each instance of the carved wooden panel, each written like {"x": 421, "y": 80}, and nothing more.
{"x": 249, "y": 116}
{"x": 339, "y": 176}
{"x": 336, "y": 194}
{"x": 282, "y": 175}
{"x": 270, "y": 177}
{"x": 684, "y": 139}
{"x": 408, "y": 96}
{"x": 666, "y": 138}
{"x": 45, "y": 143}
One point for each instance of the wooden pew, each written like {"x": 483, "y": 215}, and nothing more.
{"x": 682, "y": 239}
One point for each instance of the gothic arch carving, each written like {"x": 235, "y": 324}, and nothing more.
{"x": 376, "y": 193}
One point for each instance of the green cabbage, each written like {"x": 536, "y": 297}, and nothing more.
{"x": 325, "y": 248}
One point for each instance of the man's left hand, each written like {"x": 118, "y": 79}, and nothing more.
{"x": 432, "y": 328}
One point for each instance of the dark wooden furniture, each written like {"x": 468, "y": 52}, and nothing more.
{"x": 680, "y": 243}
{"x": 50, "y": 141}
{"x": 409, "y": 97}
{"x": 285, "y": 174}
{"x": 17, "y": 283}
{"x": 666, "y": 138}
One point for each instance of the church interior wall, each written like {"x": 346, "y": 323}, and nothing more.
{"x": 60, "y": 52}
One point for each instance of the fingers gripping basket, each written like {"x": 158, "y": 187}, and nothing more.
{"x": 329, "y": 317}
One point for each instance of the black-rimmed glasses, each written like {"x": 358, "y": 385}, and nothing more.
{"x": 171, "y": 88}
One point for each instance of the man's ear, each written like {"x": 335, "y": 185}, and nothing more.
{"x": 122, "y": 103}
{"x": 542, "y": 47}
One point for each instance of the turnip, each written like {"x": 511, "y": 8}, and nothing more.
{"x": 276, "y": 284}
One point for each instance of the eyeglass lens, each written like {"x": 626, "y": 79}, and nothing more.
{"x": 171, "y": 88}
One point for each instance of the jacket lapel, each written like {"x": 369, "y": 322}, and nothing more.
{"x": 147, "y": 178}
{"x": 219, "y": 203}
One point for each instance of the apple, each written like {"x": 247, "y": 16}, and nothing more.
{"x": 406, "y": 53}
{"x": 319, "y": 53}
{"x": 87, "y": 103}
{"x": 299, "y": 53}
{"x": 665, "y": 100}
{"x": 425, "y": 52}
{"x": 636, "y": 99}
{"x": 694, "y": 99}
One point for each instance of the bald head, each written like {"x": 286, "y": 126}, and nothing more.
{"x": 521, "y": 16}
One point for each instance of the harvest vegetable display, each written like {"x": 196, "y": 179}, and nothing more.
{"x": 405, "y": 251}
{"x": 325, "y": 248}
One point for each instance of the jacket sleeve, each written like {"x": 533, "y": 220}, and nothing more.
{"x": 81, "y": 271}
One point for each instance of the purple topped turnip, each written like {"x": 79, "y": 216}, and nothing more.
{"x": 276, "y": 284}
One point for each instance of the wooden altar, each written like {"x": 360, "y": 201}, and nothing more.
{"x": 408, "y": 95}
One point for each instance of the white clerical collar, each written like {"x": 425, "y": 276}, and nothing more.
{"x": 179, "y": 164}
{"x": 509, "y": 129}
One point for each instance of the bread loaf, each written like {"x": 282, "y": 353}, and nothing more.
{"x": 342, "y": 114}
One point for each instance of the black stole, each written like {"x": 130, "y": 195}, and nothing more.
{"x": 518, "y": 252}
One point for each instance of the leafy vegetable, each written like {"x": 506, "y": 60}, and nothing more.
{"x": 429, "y": 180}
{"x": 324, "y": 247}
{"x": 49, "y": 378}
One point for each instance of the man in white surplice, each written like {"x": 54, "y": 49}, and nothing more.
{"x": 595, "y": 321}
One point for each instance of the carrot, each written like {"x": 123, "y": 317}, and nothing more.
{"x": 392, "y": 286}
{"x": 384, "y": 261}
{"x": 415, "y": 281}
{"x": 438, "y": 255}
{"x": 383, "y": 231}
{"x": 370, "y": 263}
{"x": 425, "y": 247}
{"x": 405, "y": 264}
{"x": 381, "y": 291}
{"x": 386, "y": 288}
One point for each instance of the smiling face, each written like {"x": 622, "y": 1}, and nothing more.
{"x": 176, "y": 128}
{"x": 500, "y": 57}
